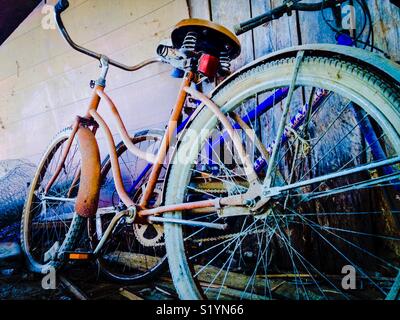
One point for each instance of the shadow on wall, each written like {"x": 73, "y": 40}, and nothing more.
{"x": 15, "y": 176}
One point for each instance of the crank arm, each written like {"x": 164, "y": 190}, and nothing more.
{"x": 130, "y": 213}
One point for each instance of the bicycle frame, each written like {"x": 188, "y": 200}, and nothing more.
{"x": 94, "y": 119}
{"x": 156, "y": 162}
{"x": 276, "y": 97}
{"x": 139, "y": 212}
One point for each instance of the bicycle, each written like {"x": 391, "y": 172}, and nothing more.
{"x": 64, "y": 186}
{"x": 229, "y": 185}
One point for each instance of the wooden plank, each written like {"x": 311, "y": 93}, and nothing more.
{"x": 386, "y": 18}
{"x": 129, "y": 295}
{"x": 53, "y": 94}
{"x": 51, "y": 88}
{"x": 131, "y": 100}
{"x": 199, "y": 9}
{"x": 73, "y": 289}
{"x": 34, "y": 20}
{"x": 232, "y": 281}
{"x": 313, "y": 27}
{"x": 132, "y": 260}
{"x": 119, "y": 44}
{"x": 86, "y": 23}
{"x": 229, "y": 13}
{"x": 37, "y": 101}
{"x": 262, "y": 35}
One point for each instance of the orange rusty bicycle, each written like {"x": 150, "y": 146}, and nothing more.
{"x": 244, "y": 194}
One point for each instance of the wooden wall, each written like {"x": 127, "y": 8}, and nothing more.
{"x": 283, "y": 33}
{"x": 44, "y": 83}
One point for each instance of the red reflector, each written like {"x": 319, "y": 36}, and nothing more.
{"x": 208, "y": 65}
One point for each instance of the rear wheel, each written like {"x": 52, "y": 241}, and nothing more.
{"x": 299, "y": 244}
{"x": 133, "y": 253}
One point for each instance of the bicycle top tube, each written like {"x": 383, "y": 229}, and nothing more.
{"x": 60, "y": 7}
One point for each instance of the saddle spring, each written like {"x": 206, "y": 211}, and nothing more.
{"x": 225, "y": 64}
{"x": 189, "y": 43}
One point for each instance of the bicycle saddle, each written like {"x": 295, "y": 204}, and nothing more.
{"x": 205, "y": 36}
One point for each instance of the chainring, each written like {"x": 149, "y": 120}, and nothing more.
{"x": 150, "y": 235}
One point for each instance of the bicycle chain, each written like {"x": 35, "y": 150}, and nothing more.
{"x": 220, "y": 238}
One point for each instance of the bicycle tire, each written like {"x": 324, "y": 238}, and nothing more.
{"x": 77, "y": 223}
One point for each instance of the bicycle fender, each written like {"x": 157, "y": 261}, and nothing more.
{"x": 380, "y": 64}
{"x": 89, "y": 184}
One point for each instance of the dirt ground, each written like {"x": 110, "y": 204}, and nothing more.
{"x": 79, "y": 283}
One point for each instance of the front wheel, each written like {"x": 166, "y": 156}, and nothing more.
{"x": 49, "y": 224}
{"x": 341, "y": 117}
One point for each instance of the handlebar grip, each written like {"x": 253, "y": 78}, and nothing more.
{"x": 238, "y": 29}
{"x": 257, "y": 21}
{"x": 61, "y": 6}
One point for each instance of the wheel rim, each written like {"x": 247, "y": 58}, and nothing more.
{"x": 47, "y": 222}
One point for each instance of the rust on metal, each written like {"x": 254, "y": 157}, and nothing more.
{"x": 165, "y": 144}
{"x": 75, "y": 183}
{"x": 119, "y": 186}
{"x": 95, "y": 101}
{"x": 180, "y": 207}
{"x": 89, "y": 185}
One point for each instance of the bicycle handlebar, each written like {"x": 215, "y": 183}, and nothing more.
{"x": 60, "y": 7}
{"x": 278, "y": 12}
